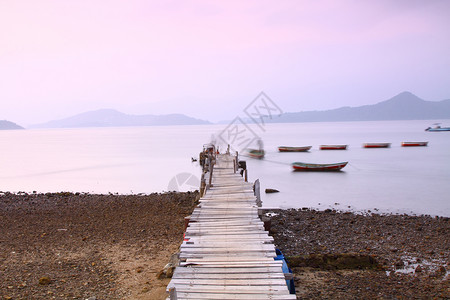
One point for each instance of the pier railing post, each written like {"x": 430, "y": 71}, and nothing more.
{"x": 173, "y": 294}
{"x": 202, "y": 185}
{"x": 211, "y": 168}
{"x": 257, "y": 192}
{"x": 245, "y": 175}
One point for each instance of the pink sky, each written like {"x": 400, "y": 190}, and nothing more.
{"x": 59, "y": 58}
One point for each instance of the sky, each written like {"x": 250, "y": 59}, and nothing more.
{"x": 210, "y": 59}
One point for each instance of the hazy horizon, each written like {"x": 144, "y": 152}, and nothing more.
{"x": 209, "y": 60}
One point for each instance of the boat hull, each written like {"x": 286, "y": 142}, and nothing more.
{"x": 377, "y": 145}
{"x": 299, "y": 166}
{"x": 333, "y": 147}
{"x": 294, "y": 149}
{"x": 438, "y": 129}
{"x": 256, "y": 153}
{"x": 414, "y": 144}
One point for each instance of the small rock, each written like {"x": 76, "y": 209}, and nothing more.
{"x": 418, "y": 269}
{"x": 269, "y": 191}
{"x": 44, "y": 280}
{"x": 169, "y": 272}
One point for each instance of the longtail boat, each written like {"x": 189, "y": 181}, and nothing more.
{"x": 376, "y": 145}
{"x": 414, "y": 144}
{"x": 300, "y": 166}
{"x": 333, "y": 147}
{"x": 255, "y": 153}
{"x": 294, "y": 149}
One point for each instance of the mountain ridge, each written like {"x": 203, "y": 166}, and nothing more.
{"x": 404, "y": 106}
{"x": 8, "y": 125}
{"x": 114, "y": 118}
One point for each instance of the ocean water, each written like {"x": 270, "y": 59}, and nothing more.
{"x": 136, "y": 160}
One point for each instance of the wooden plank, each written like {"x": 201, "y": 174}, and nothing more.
{"x": 193, "y": 258}
{"x": 237, "y": 239}
{"x": 228, "y": 244}
{"x": 234, "y": 264}
{"x": 230, "y": 282}
{"x": 237, "y": 270}
{"x": 275, "y": 289}
{"x": 235, "y": 250}
{"x": 213, "y": 296}
{"x": 230, "y": 276}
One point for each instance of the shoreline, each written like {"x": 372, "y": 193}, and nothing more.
{"x": 113, "y": 247}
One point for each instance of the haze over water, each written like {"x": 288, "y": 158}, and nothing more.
{"x": 147, "y": 159}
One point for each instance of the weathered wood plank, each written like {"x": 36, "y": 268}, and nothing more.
{"x": 234, "y": 264}
{"x": 237, "y": 270}
{"x": 231, "y": 282}
{"x": 229, "y": 276}
{"x": 275, "y": 289}
{"x": 212, "y": 296}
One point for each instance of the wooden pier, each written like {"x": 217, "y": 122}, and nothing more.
{"x": 227, "y": 254}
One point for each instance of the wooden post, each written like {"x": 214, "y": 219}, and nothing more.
{"x": 202, "y": 185}
{"x": 211, "y": 168}
{"x": 234, "y": 165}
{"x": 245, "y": 175}
{"x": 173, "y": 294}
{"x": 257, "y": 191}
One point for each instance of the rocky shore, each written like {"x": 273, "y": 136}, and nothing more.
{"x": 85, "y": 246}
{"x": 338, "y": 255}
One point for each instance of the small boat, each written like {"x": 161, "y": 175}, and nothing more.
{"x": 286, "y": 270}
{"x": 414, "y": 144}
{"x": 376, "y": 145}
{"x": 256, "y": 153}
{"x": 437, "y": 129}
{"x": 294, "y": 149}
{"x": 333, "y": 147}
{"x": 299, "y": 166}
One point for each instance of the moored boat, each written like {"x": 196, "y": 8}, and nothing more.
{"x": 376, "y": 145}
{"x": 256, "y": 153}
{"x": 294, "y": 149}
{"x": 414, "y": 144}
{"x": 437, "y": 129}
{"x": 333, "y": 147}
{"x": 286, "y": 270}
{"x": 300, "y": 166}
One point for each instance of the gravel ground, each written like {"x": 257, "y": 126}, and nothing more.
{"x": 411, "y": 254}
{"x": 80, "y": 246}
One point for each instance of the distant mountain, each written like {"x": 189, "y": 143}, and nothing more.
{"x": 7, "y": 125}
{"x": 114, "y": 118}
{"x": 404, "y": 106}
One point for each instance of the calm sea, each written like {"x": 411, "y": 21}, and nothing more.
{"x": 154, "y": 159}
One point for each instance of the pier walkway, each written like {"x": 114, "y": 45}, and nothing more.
{"x": 227, "y": 254}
